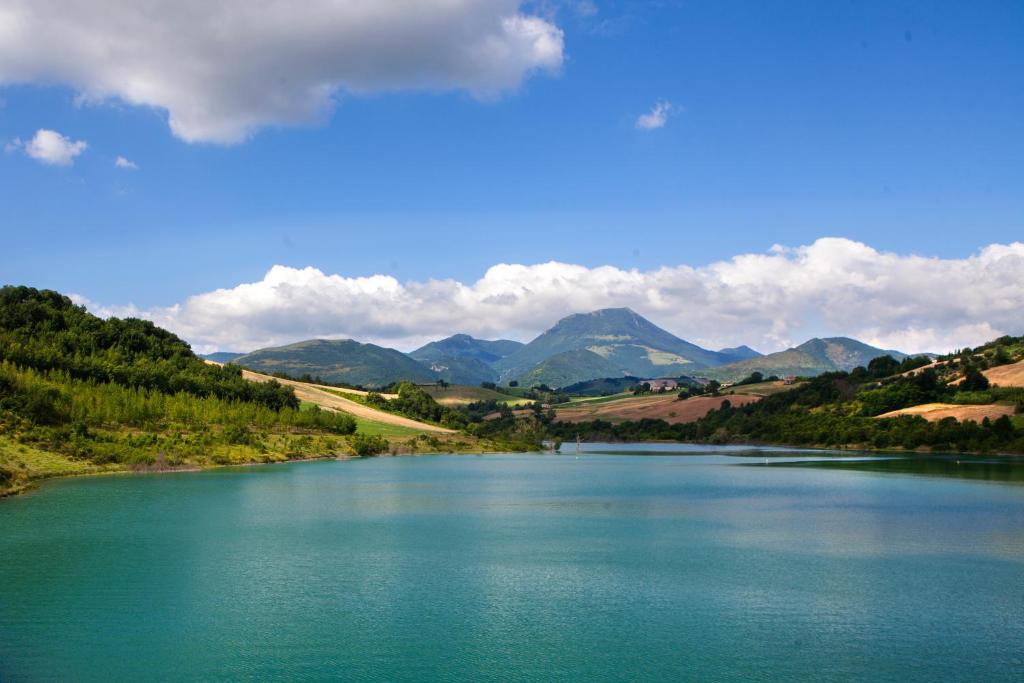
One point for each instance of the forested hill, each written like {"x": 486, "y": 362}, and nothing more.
{"x": 80, "y": 394}
{"x": 45, "y": 331}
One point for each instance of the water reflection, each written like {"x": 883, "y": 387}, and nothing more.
{"x": 999, "y": 470}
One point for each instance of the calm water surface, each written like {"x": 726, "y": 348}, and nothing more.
{"x": 706, "y": 565}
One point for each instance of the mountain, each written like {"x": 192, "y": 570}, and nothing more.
{"x": 735, "y": 354}
{"x": 622, "y": 342}
{"x": 465, "y": 346}
{"x": 461, "y": 370}
{"x": 813, "y": 357}
{"x": 567, "y": 367}
{"x": 222, "y": 356}
{"x": 461, "y": 359}
{"x": 341, "y": 360}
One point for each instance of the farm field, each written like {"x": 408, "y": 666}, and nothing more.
{"x": 933, "y": 412}
{"x": 761, "y": 388}
{"x": 1007, "y": 375}
{"x": 658, "y": 407}
{"x": 332, "y": 398}
{"x": 462, "y": 394}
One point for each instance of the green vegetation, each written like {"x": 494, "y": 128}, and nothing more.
{"x": 412, "y": 401}
{"x": 44, "y": 330}
{"x": 606, "y": 386}
{"x": 365, "y": 445}
{"x": 79, "y": 394}
{"x": 839, "y": 409}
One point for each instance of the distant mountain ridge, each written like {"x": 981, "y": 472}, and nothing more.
{"x": 617, "y": 338}
{"x": 465, "y": 346}
{"x": 736, "y": 354}
{"x": 462, "y": 359}
{"x": 813, "y": 357}
{"x": 610, "y": 344}
{"x": 339, "y": 361}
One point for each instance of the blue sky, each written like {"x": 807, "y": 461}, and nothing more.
{"x": 895, "y": 124}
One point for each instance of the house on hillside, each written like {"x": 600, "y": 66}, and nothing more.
{"x": 662, "y": 384}
{"x": 789, "y": 379}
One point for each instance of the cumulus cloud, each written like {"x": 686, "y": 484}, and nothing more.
{"x": 222, "y": 69}
{"x": 127, "y": 164}
{"x": 50, "y": 147}
{"x": 656, "y": 118}
{"x": 768, "y": 300}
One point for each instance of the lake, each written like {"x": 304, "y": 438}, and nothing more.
{"x": 658, "y": 563}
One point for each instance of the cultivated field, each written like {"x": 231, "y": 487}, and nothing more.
{"x": 933, "y": 412}
{"x": 761, "y": 388}
{"x": 325, "y": 398}
{"x": 1007, "y": 375}
{"x": 462, "y": 394}
{"x": 658, "y": 407}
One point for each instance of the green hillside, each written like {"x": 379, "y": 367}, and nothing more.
{"x": 82, "y": 394}
{"x": 603, "y": 386}
{"x": 812, "y": 358}
{"x": 619, "y": 342}
{"x": 339, "y": 361}
{"x": 566, "y": 368}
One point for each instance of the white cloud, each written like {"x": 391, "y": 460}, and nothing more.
{"x": 126, "y": 164}
{"x": 656, "y": 117}
{"x": 223, "y": 69}
{"x": 771, "y": 301}
{"x": 50, "y": 147}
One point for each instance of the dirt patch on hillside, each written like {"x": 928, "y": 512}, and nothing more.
{"x": 1007, "y": 375}
{"x": 330, "y": 401}
{"x": 668, "y": 408}
{"x": 933, "y": 412}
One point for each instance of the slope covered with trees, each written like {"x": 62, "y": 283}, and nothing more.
{"x": 81, "y": 393}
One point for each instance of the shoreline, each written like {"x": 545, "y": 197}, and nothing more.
{"x": 37, "y": 482}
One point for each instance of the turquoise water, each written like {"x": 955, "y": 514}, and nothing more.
{"x": 710, "y": 565}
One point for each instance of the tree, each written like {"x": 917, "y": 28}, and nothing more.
{"x": 974, "y": 381}
{"x": 883, "y": 366}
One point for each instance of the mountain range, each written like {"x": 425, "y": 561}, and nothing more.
{"x": 609, "y": 343}
{"x": 813, "y": 357}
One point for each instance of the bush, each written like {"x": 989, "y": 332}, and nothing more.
{"x": 365, "y": 445}
{"x": 974, "y": 381}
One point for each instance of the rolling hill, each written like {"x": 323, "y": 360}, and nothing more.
{"x": 340, "y": 360}
{"x": 619, "y": 342}
{"x": 813, "y": 357}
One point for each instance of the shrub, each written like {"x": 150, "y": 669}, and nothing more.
{"x": 365, "y": 445}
